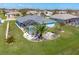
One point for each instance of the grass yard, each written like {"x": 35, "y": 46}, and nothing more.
{"x": 2, "y": 16}
{"x": 68, "y": 43}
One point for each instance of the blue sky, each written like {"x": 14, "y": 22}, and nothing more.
{"x": 41, "y": 5}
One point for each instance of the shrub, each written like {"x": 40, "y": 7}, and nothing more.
{"x": 10, "y": 39}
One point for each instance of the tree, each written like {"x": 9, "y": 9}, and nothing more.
{"x": 17, "y": 15}
{"x": 23, "y": 11}
{"x": 42, "y": 14}
{"x": 69, "y": 11}
{"x": 2, "y": 14}
{"x": 40, "y": 29}
{"x": 55, "y": 11}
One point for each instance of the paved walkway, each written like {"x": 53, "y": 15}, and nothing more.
{"x": 7, "y": 29}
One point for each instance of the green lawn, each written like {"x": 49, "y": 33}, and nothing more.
{"x": 2, "y": 16}
{"x": 68, "y": 43}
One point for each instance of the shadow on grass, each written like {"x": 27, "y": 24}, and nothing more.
{"x": 10, "y": 39}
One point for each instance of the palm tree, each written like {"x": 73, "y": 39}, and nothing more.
{"x": 40, "y": 29}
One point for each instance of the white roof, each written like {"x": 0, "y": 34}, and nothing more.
{"x": 64, "y": 16}
{"x": 13, "y": 13}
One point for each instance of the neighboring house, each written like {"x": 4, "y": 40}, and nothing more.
{"x": 65, "y": 18}
{"x": 48, "y": 13}
{"x": 33, "y": 12}
{"x": 39, "y": 12}
{"x": 62, "y": 12}
{"x": 12, "y": 15}
{"x": 28, "y": 22}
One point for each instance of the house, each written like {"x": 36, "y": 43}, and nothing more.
{"x": 48, "y": 13}
{"x": 39, "y": 13}
{"x": 62, "y": 12}
{"x": 33, "y": 12}
{"x": 27, "y": 22}
{"x": 65, "y": 18}
{"x": 12, "y": 14}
